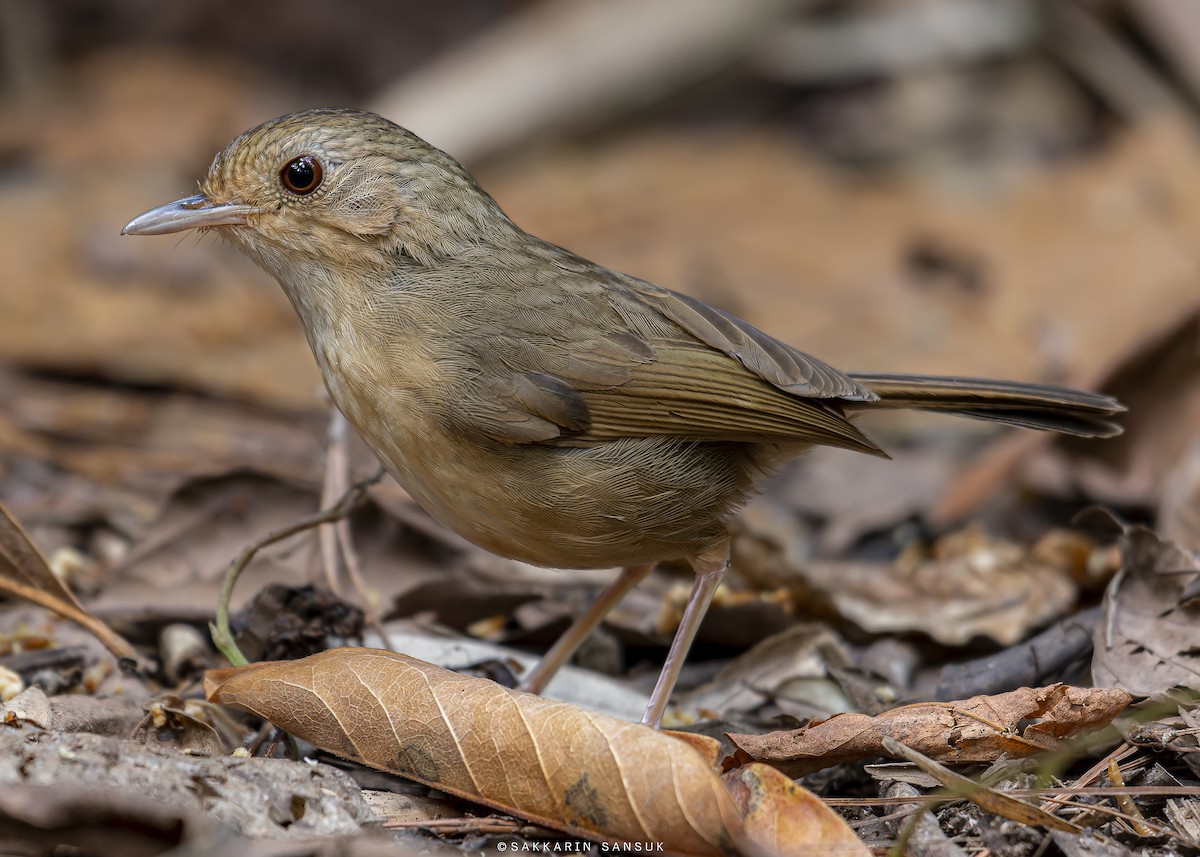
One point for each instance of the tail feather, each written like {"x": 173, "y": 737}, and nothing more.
{"x": 1035, "y": 406}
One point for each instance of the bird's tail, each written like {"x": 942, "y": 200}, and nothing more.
{"x": 1034, "y": 406}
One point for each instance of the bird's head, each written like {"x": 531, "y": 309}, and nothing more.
{"x": 344, "y": 188}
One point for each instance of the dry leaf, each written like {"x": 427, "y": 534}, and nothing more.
{"x": 550, "y": 762}
{"x": 179, "y": 722}
{"x": 29, "y": 706}
{"x": 779, "y": 817}
{"x": 972, "y": 585}
{"x": 25, "y": 574}
{"x": 1158, "y": 380}
{"x": 1148, "y": 637}
{"x": 553, "y": 763}
{"x": 980, "y": 729}
{"x": 175, "y": 569}
{"x": 855, "y": 494}
{"x": 22, "y": 561}
{"x": 794, "y": 663}
{"x": 571, "y": 684}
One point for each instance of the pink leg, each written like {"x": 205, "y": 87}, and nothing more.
{"x": 561, "y": 651}
{"x": 710, "y": 568}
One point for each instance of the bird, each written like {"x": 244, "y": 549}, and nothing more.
{"x": 542, "y": 406}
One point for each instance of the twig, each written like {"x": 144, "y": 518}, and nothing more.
{"x": 1024, "y": 665}
{"x": 980, "y": 795}
{"x": 336, "y": 542}
{"x": 337, "y": 469}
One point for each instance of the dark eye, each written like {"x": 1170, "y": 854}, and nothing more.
{"x": 302, "y": 175}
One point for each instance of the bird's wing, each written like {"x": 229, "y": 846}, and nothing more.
{"x": 775, "y": 362}
{"x": 686, "y": 390}
{"x": 695, "y": 392}
{"x": 527, "y": 407}
{"x": 611, "y": 363}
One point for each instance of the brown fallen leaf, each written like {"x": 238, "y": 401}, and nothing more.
{"x": 25, "y": 573}
{"x": 979, "y": 729}
{"x": 23, "y": 562}
{"x": 968, "y": 584}
{"x": 780, "y": 817}
{"x": 556, "y": 764}
{"x": 1148, "y": 636}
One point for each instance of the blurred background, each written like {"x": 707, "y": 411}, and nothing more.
{"x": 973, "y": 187}
{"x": 1005, "y": 188}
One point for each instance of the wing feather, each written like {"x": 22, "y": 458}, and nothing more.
{"x": 588, "y": 356}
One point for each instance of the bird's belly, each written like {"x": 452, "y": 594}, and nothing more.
{"x": 628, "y": 502}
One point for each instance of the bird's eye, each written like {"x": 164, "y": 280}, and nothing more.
{"x": 302, "y": 175}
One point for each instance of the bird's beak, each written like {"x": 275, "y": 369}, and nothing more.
{"x": 188, "y": 213}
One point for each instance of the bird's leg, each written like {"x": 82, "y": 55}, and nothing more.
{"x": 573, "y": 637}
{"x": 710, "y": 568}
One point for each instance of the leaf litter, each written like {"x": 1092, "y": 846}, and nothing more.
{"x": 139, "y": 459}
